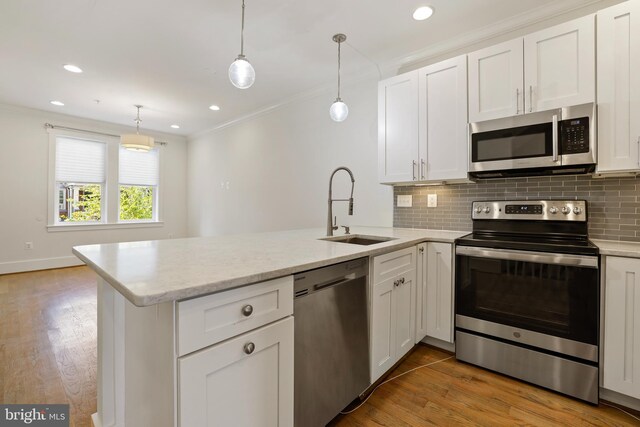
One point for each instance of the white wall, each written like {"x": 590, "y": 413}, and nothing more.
{"x": 278, "y": 166}
{"x": 24, "y": 146}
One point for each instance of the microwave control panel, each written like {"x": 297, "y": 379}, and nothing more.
{"x": 574, "y": 136}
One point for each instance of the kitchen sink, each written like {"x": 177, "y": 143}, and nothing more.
{"x": 358, "y": 239}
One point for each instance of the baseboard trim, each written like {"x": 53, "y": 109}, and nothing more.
{"x": 442, "y": 345}
{"x": 620, "y": 399}
{"x": 38, "y": 264}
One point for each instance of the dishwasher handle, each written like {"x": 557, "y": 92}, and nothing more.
{"x": 337, "y": 282}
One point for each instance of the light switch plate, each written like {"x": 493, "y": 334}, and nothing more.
{"x": 432, "y": 200}
{"x": 405, "y": 201}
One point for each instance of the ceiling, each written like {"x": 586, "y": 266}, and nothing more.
{"x": 172, "y": 56}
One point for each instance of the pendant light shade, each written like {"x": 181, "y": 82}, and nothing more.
{"x": 135, "y": 141}
{"x": 338, "y": 110}
{"x": 241, "y": 72}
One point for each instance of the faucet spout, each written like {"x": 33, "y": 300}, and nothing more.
{"x": 331, "y": 227}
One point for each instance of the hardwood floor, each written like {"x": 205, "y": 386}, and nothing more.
{"x": 453, "y": 393}
{"x": 48, "y": 355}
{"x": 48, "y": 340}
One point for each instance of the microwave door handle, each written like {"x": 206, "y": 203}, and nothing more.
{"x": 554, "y": 132}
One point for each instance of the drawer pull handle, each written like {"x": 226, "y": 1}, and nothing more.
{"x": 247, "y": 310}
{"x": 249, "y": 347}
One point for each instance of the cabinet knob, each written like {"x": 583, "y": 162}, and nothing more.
{"x": 247, "y": 310}
{"x": 402, "y": 280}
{"x": 249, "y": 347}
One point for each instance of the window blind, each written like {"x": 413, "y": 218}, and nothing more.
{"x": 139, "y": 167}
{"x": 79, "y": 160}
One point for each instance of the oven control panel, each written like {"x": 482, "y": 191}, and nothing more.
{"x": 542, "y": 210}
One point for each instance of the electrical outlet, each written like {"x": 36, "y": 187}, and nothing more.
{"x": 432, "y": 200}
{"x": 28, "y": 245}
{"x": 405, "y": 201}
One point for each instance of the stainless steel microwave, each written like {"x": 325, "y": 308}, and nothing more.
{"x": 554, "y": 142}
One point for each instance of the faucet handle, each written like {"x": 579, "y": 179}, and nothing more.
{"x": 346, "y": 229}
{"x": 335, "y": 223}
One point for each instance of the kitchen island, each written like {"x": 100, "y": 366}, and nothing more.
{"x": 160, "y": 303}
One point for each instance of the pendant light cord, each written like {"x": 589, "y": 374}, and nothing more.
{"x": 138, "y": 121}
{"x": 339, "y": 43}
{"x": 242, "y": 32}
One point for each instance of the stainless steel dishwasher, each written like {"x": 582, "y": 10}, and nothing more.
{"x": 331, "y": 340}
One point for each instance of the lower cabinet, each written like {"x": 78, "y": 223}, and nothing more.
{"x": 621, "y": 371}
{"x": 244, "y": 381}
{"x": 434, "y": 302}
{"x": 393, "y": 286}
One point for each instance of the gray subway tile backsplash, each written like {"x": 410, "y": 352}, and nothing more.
{"x": 613, "y": 203}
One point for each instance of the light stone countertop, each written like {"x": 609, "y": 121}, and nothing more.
{"x": 617, "y": 248}
{"x": 157, "y": 271}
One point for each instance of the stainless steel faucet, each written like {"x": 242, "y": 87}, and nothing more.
{"x": 330, "y": 227}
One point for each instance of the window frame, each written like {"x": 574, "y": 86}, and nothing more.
{"x": 110, "y": 196}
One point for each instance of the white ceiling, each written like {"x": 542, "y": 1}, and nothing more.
{"x": 172, "y": 56}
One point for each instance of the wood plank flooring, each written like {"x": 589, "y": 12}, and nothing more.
{"x": 453, "y": 393}
{"x": 48, "y": 340}
{"x": 48, "y": 355}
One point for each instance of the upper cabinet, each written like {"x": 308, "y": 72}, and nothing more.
{"x": 443, "y": 121}
{"x": 398, "y": 128}
{"x": 422, "y": 124}
{"x": 495, "y": 81}
{"x": 619, "y": 88}
{"x": 552, "y": 68}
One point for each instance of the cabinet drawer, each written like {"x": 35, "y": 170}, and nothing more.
{"x": 210, "y": 319}
{"x": 393, "y": 264}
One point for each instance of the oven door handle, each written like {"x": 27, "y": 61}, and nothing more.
{"x": 527, "y": 256}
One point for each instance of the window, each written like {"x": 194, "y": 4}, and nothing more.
{"x": 80, "y": 178}
{"x": 138, "y": 182}
{"x": 93, "y": 182}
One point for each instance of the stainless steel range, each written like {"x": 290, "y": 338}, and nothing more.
{"x": 527, "y": 294}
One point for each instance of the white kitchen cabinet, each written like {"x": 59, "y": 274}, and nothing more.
{"x": 434, "y": 292}
{"x": 438, "y": 299}
{"x": 496, "y": 78}
{"x": 229, "y": 385}
{"x": 393, "y": 285}
{"x": 622, "y": 326}
{"x": 556, "y": 65}
{"x": 619, "y": 88}
{"x": 398, "y": 128}
{"x": 444, "y": 131}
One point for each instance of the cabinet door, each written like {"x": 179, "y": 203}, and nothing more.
{"x": 398, "y": 128}
{"x": 223, "y": 385}
{"x": 495, "y": 81}
{"x": 383, "y": 328}
{"x": 443, "y": 120}
{"x": 421, "y": 293}
{"x": 404, "y": 297}
{"x": 559, "y": 65}
{"x": 622, "y": 326}
{"x": 439, "y": 297}
{"x": 619, "y": 88}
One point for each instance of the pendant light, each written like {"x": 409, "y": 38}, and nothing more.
{"x": 241, "y": 73}
{"x": 135, "y": 141}
{"x": 339, "y": 110}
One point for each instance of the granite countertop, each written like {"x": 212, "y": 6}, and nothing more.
{"x": 617, "y": 248}
{"x": 157, "y": 271}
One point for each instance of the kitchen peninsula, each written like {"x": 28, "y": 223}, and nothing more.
{"x": 171, "y": 312}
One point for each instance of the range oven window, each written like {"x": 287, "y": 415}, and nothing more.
{"x": 513, "y": 143}
{"x": 553, "y": 299}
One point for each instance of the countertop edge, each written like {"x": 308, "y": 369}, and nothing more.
{"x": 220, "y": 286}
{"x": 618, "y": 248}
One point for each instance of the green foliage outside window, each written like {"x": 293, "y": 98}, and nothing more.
{"x": 136, "y": 203}
{"x": 88, "y": 206}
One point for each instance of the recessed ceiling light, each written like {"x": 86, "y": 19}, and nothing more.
{"x": 175, "y": 126}
{"x": 73, "y": 68}
{"x": 214, "y": 107}
{"x": 58, "y": 103}
{"x": 422, "y": 13}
